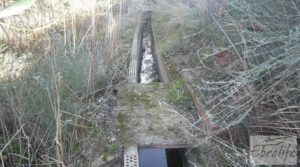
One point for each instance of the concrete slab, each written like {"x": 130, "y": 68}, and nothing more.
{"x": 145, "y": 118}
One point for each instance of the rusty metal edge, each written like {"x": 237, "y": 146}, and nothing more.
{"x": 167, "y": 146}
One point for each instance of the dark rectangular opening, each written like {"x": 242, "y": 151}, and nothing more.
{"x": 175, "y": 157}
{"x": 161, "y": 157}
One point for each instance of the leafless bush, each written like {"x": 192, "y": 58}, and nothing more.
{"x": 249, "y": 83}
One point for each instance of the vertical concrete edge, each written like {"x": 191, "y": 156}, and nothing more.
{"x": 198, "y": 104}
{"x": 160, "y": 60}
{"x": 135, "y": 54}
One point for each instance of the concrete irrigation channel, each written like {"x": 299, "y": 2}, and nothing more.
{"x": 147, "y": 124}
{"x": 146, "y": 65}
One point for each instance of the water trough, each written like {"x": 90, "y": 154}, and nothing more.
{"x": 146, "y": 65}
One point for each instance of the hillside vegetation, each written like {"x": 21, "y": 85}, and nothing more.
{"x": 243, "y": 57}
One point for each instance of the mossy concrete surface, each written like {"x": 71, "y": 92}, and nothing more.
{"x": 145, "y": 118}
{"x": 198, "y": 98}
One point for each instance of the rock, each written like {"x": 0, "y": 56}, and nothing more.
{"x": 113, "y": 139}
{"x": 103, "y": 159}
{"x": 97, "y": 162}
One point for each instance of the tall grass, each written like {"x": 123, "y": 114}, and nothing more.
{"x": 48, "y": 114}
{"x": 47, "y": 102}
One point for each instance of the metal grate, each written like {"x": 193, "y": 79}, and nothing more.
{"x": 131, "y": 157}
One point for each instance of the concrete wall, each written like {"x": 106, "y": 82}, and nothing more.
{"x": 135, "y": 56}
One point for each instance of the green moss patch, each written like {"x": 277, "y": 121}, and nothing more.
{"x": 178, "y": 94}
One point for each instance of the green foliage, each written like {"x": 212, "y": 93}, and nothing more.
{"x": 34, "y": 97}
{"x": 113, "y": 148}
{"x": 178, "y": 94}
